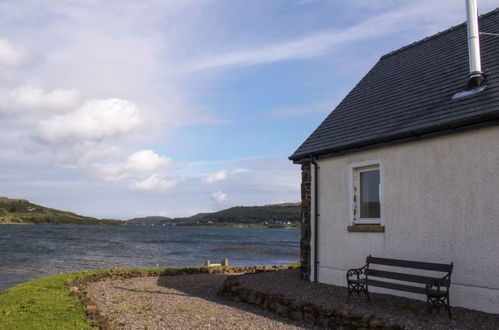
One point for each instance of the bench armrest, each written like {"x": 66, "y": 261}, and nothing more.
{"x": 438, "y": 284}
{"x": 356, "y": 272}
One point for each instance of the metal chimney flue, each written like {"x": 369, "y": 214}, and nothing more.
{"x": 476, "y": 74}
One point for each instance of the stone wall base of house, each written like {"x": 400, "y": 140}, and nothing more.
{"x": 334, "y": 318}
{"x": 306, "y": 211}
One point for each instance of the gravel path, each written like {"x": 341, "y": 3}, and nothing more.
{"x": 403, "y": 311}
{"x": 179, "y": 302}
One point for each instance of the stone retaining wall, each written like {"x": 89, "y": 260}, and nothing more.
{"x": 336, "y": 318}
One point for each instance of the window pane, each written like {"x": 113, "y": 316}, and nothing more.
{"x": 369, "y": 194}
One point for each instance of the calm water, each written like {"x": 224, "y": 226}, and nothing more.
{"x": 28, "y": 252}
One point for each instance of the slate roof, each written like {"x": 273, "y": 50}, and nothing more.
{"x": 407, "y": 95}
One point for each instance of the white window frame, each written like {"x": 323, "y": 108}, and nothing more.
{"x": 354, "y": 192}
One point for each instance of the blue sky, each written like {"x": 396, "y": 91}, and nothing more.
{"x": 120, "y": 109}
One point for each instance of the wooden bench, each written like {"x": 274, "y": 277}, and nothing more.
{"x": 435, "y": 288}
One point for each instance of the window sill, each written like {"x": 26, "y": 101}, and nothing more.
{"x": 365, "y": 228}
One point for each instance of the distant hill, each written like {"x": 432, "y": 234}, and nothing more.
{"x": 21, "y": 211}
{"x": 149, "y": 221}
{"x": 277, "y": 215}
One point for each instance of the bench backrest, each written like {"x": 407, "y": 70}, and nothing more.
{"x": 445, "y": 268}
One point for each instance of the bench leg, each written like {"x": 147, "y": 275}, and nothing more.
{"x": 351, "y": 289}
{"x": 358, "y": 289}
{"x": 429, "y": 305}
{"x": 438, "y": 303}
{"x": 447, "y": 306}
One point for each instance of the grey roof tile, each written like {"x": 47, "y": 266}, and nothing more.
{"x": 408, "y": 94}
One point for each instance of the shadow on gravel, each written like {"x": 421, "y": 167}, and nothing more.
{"x": 206, "y": 286}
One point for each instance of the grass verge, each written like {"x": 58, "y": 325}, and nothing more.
{"x": 45, "y": 303}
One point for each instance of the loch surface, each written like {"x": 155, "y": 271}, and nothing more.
{"x": 30, "y": 251}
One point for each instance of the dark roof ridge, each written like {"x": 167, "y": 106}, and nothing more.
{"x": 438, "y": 128}
{"x": 415, "y": 43}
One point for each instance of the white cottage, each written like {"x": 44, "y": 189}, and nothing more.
{"x": 407, "y": 167}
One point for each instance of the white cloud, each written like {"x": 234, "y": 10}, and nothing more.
{"x": 147, "y": 160}
{"x": 87, "y": 153}
{"x": 219, "y": 197}
{"x": 415, "y": 16}
{"x": 11, "y": 55}
{"x": 137, "y": 164}
{"x": 222, "y": 175}
{"x": 238, "y": 170}
{"x": 95, "y": 120}
{"x": 303, "y": 2}
{"x": 155, "y": 182}
{"x": 310, "y": 46}
{"x": 28, "y": 97}
{"x": 322, "y": 107}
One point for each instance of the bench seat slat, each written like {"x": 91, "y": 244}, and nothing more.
{"x": 400, "y": 287}
{"x": 400, "y": 276}
{"x": 394, "y": 286}
{"x": 410, "y": 264}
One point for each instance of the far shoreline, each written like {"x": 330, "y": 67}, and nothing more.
{"x": 230, "y": 225}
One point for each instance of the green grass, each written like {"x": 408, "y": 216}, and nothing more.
{"x": 45, "y": 303}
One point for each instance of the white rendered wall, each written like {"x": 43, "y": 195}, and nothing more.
{"x": 441, "y": 204}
